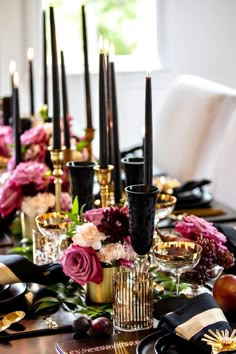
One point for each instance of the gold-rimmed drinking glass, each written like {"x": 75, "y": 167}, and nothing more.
{"x": 177, "y": 257}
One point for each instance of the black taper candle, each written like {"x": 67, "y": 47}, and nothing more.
{"x": 65, "y": 103}
{"x": 86, "y": 70}
{"x": 55, "y": 86}
{"x": 102, "y": 113}
{"x": 148, "y": 148}
{"x": 45, "y": 72}
{"x": 31, "y": 80}
{"x": 16, "y": 121}
{"x": 115, "y": 131}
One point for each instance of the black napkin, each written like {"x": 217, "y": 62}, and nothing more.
{"x": 191, "y": 194}
{"x": 191, "y": 321}
{"x": 16, "y": 269}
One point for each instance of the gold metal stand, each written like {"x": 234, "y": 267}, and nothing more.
{"x": 104, "y": 179}
{"x": 89, "y": 135}
{"x": 57, "y": 157}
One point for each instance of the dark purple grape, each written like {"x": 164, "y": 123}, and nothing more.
{"x": 81, "y": 325}
{"x": 100, "y": 325}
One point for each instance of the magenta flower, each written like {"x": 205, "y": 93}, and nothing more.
{"x": 6, "y": 140}
{"x": 192, "y": 226}
{"x": 81, "y": 264}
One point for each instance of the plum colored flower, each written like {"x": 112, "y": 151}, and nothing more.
{"x": 87, "y": 235}
{"x": 94, "y": 215}
{"x": 81, "y": 264}
{"x": 192, "y": 226}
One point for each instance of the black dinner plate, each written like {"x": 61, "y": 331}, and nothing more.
{"x": 194, "y": 200}
{"x": 12, "y": 293}
{"x": 161, "y": 342}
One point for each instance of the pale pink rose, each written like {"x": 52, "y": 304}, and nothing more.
{"x": 111, "y": 252}
{"x": 94, "y": 215}
{"x": 192, "y": 226}
{"x": 81, "y": 264}
{"x": 87, "y": 235}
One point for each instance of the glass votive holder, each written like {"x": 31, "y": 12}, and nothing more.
{"x": 133, "y": 301}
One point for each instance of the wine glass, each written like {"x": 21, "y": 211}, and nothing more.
{"x": 142, "y": 204}
{"x": 177, "y": 257}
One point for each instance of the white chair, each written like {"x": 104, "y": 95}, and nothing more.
{"x": 187, "y": 130}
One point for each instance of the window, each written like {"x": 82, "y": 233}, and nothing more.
{"x": 130, "y": 25}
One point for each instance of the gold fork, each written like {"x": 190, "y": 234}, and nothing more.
{"x": 221, "y": 341}
{"x": 120, "y": 348}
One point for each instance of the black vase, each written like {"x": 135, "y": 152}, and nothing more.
{"x": 142, "y": 205}
{"x": 81, "y": 182}
{"x": 134, "y": 168}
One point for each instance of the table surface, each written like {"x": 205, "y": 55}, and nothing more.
{"x": 45, "y": 344}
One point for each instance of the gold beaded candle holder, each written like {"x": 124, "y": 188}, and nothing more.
{"x": 89, "y": 135}
{"x": 104, "y": 180}
{"x": 57, "y": 158}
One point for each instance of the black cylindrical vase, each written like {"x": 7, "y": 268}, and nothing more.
{"x": 134, "y": 170}
{"x": 142, "y": 205}
{"x": 81, "y": 182}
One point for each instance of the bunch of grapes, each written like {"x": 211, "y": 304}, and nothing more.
{"x": 212, "y": 255}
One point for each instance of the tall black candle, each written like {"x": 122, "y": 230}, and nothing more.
{"x": 65, "y": 103}
{"x": 16, "y": 120}
{"x": 115, "y": 130}
{"x": 86, "y": 70}
{"x": 30, "y": 55}
{"x": 148, "y": 148}
{"x": 12, "y": 69}
{"x": 102, "y": 109}
{"x": 45, "y": 72}
{"x": 55, "y": 86}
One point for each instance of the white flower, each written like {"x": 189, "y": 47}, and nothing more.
{"x": 87, "y": 235}
{"x": 39, "y": 204}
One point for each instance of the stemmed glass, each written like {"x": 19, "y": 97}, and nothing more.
{"x": 142, "y": 204}
{"x": 177, "y": 257}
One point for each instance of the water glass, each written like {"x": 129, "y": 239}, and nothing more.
{"x": 133, "y": 300}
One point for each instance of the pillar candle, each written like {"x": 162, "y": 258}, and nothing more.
{"x": 102, "y": 109}
{"x": 65, "y": 103}
{"x": 30, "y": 55}
{"x": 56, "y": 135}
{"x": 16, "y": 120}
{"x": 148, "y": 149}
{"x": 115, "y": 129}
{"x": 86, "y": 70}
{"x": 45, "y": 73}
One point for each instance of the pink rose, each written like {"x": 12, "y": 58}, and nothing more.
{"x": 87, "y": 235}
{"x": 192, "y": 226}
{"x": 94, "y": 215}
{"x": 81, "y": 264}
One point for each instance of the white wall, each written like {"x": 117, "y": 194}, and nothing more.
{"x": 195, "y": 36}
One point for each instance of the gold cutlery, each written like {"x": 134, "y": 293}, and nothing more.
{"x": 120, "y": 348}
{"x": 220, "y": 341}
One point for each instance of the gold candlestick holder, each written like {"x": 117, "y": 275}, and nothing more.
{"x": 89, "y": 135}
{"x": 104, "y": 179}
{"x": 57, "y": 157}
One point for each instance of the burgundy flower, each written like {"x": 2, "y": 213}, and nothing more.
{"x": 81, "y": 264}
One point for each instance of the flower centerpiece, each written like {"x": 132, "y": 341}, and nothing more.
{"x": 100, "y": 242}
{"x": 214, "y": 250}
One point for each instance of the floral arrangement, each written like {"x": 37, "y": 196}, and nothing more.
{"x": 101, "y": 240}
{"x": 213, "y": 242}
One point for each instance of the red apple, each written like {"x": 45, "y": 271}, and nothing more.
{"x": 224, "y": 292}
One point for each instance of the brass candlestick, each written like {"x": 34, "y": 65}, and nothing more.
{"x": 104, "y": 179}
{"x": 57, "y": 157}
{"x": 89, "y": 135}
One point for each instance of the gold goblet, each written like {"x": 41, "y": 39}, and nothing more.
{"x": 177, "y": 257}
